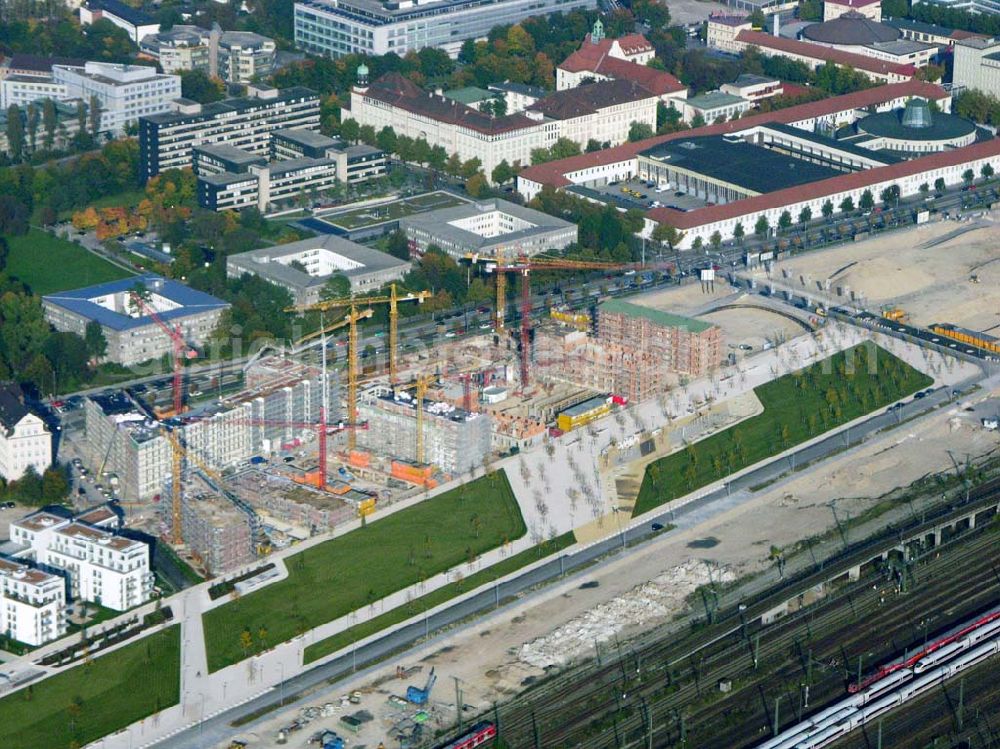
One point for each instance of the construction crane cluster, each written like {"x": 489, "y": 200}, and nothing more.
{"x": 501, "y": 264}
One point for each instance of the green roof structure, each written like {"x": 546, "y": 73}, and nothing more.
{"x": 664, "y": 319}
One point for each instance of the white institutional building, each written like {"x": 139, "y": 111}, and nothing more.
{"x": 101, "y": 567}
{"x": 602, "y": 111}
{"x": 24, "y": 439}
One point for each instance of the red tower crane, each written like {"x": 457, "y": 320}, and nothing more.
{"x": 181, "y": 351}
{"x": 523, "y": 265}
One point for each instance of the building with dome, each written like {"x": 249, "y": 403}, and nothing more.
{"x": 911, "y": 131}
{"x": 856, "y": 33}
{"x": 869, "y": 8}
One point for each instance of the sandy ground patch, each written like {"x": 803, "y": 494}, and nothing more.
{"x": 931, "y": 282}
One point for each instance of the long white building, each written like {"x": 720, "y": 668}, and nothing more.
{"x": 25, "y": 441}
{"x": 602, "y": 111}
{"x": 765, "y": 165}
{"x": 377, "y": 27}
{"x": 101, "y": 567}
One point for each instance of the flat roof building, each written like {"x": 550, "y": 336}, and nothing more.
{"x": 484, "y": 226}
{"x": 133, "y": 336}
{"x": 133, "y": 21}
{"x": 166, "y": 140}
{"x": 336, "y": 28}
{"x": 305, "y": 267}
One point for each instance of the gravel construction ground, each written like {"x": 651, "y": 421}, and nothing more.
{"x": 486, "y": 659}
{"x": 931, "y": 282}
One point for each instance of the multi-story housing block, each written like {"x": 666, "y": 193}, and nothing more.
{"x": 166, "y": 140}
{"x": 32, "y": 604}
{"x": 100, "y": 566}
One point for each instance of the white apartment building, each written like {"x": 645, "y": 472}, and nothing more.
{"x": 977, "y": 65}
{"x": 32, "y": 604}
{"x": 24, "y": 439}
{"x": 25, "y": 89}
{"x": 180, "y": 48}
{"x": 242, "y": 56}
{"x": 101, "y": 567}
{"x": 602, "y": 111}
{"x": 125, "y": 92}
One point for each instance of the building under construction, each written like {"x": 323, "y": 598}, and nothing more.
{"x": 636, "y": 353}
{"x": 216, "y": 530}
{"x": 279, "y": 409}
{"x": 455, "y": 441}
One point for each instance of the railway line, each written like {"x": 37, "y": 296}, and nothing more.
{"x": 653, "y": 693}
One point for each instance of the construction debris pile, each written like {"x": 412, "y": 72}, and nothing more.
{"x": 662, "y": 596}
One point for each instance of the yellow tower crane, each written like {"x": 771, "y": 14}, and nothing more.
{"x": 352, "y": 317}
{"x": 393, "y": 300}
{"x": 420, "y": 385}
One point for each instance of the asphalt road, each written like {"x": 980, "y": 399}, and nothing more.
{"x": 217, "y": 728}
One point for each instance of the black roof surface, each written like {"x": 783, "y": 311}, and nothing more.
{"x": 739, "y": 163}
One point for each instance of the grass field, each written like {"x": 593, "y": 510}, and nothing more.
{"x": 797, "y": 407}
{"x": 361, "y": 217}
{"x": 355, "y": 570}
{"x": 48, "y": 264}
{"x": 437, "y": 597}
{"x": 127, "y": 199}
{"x": 89, "y": 701}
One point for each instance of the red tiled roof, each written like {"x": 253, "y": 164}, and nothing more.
{"x": 794, "y": 89}
{"x": 823, "y": 188}
{"x": 582, "y": 100}
{"x": 829, "y": 54}
{"x": 959, "y": 34}
{"x": 394, "y": 89}
{"x": 552, "y": 172}
{"x": 586, "y": 59}
{"x": 631, "y": 44}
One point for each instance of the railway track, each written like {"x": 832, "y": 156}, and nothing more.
{"x": 647, "y": 689}
{"x": 960, "y": 714}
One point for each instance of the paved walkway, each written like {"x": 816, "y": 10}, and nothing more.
{"x": 557, "y": 492}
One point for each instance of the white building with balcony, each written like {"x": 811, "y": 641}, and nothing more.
{"x": 101, "y": 567}
{"x": 32, "y": 604}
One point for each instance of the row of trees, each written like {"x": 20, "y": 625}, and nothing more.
{"x": 58, "y": 34}
{"x": 36, "y": 132}
{"x": 31, "y": 489}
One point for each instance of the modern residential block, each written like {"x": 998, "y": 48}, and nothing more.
{"x": 166, "y": 140}
{"x": 32, "y": 604}
{"x": 101, "y": 567}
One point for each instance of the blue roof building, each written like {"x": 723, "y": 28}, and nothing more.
{"x": 133, "y": 335}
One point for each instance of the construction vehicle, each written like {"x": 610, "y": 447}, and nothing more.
{"x": 420, "y": 695}
{"x": 895, "y": 314}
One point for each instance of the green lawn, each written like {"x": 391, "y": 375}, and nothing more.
{"x": 393, "y": 211}
{"x": 128, "y": 199}
{"x": 797, "y": 407}
{"x": 354, "y": 570}
{"x": 89, "y": 701}
{"x": 437, "y": 597}
{"x": 48, "y": 264}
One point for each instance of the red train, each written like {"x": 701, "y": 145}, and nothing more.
{"x": 478, "y": 735}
